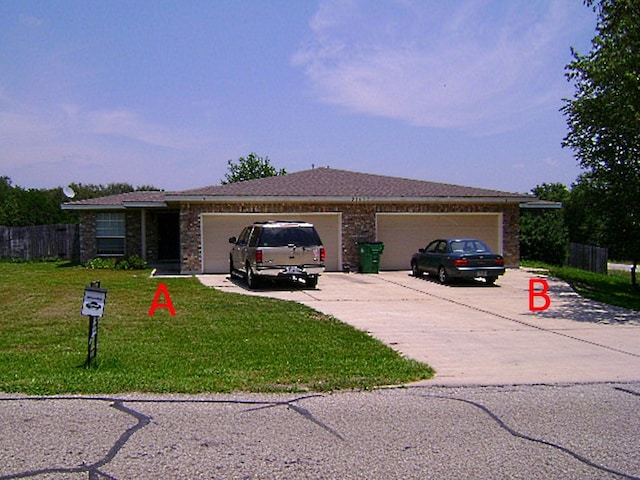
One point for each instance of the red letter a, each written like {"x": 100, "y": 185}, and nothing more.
{"x": 542, "y": 293}
{"x": 162, "y": 289}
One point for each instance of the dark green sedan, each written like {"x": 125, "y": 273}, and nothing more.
{"x": 450, "y": 258}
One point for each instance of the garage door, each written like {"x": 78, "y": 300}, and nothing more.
{"x": 218, "y": 227}
{"x": 404, "y": 233}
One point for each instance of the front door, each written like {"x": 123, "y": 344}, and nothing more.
{"x": 169, "y": 236}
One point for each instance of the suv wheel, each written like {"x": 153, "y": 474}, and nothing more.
{"x": 312, "y": 281}
{"x": 252, "y": 280}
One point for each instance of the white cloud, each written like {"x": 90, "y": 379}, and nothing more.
{"x": 128, "y": 124}
{"x": 551, "y": 162}
{"x": 438, "y": 65}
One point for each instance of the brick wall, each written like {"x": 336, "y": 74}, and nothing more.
{"x": 88, "y": 244}
{"x": 358, "y": 223}
{"x": 133, "y": 229}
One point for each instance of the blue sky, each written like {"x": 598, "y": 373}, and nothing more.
{"x": 165, "y": 92}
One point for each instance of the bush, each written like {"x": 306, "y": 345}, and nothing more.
{"x": 130, "y": 262}
{"x": 100, "y": 263}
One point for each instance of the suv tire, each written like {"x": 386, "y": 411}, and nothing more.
{"x": 252, "y": 280}
{"x": 312, "y": 281}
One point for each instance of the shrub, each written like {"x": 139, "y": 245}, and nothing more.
{"x": 130, "y": 262}
{"x": 100, "y": 263}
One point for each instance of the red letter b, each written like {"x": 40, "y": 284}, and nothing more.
{"x": 542, "y": 293}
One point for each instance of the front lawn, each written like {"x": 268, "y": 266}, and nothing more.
{"x": 216, "y": 342}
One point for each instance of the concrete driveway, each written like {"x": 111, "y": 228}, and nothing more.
{"x": 473, "y": 334}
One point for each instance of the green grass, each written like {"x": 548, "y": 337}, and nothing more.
{"x": 613, "y": 289}
{"x": 217, "y": 342}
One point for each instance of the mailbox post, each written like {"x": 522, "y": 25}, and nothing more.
{"x": 93, "y": 306}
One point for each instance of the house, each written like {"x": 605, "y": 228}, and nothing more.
{"x": 191, "y": 228}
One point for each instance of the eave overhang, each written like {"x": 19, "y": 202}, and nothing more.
{"x": 121, "y": 206}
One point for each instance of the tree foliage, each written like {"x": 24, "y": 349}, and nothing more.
{"x": 250, "y": 167}
{"x": 604, "y": 122}
{"x": 21, "y": 207}
{"x": 544, "y": 235}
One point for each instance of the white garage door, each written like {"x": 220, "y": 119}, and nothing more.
{"x": 218, "y": 227}
{"x": 404, "y": 233}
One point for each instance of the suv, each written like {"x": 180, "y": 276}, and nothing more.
{"x": 279, "y": 250}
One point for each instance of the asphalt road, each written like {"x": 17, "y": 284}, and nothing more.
{"x": 563, "y": 431}
{"x": 485, "y": 416}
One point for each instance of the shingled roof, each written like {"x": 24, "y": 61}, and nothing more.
{"x": 121, "y": 200}
{"x": 321, "y": 184}
{"x": 324, "y": 183}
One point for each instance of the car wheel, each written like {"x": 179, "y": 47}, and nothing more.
{"x": 442, "y": 275}
{"x": 232, "y": 271}
{"x": 252, "y": 280}
{"x": 415, "y": 271}
{"x": 312, "y": 282}
{"x": 491, "y": 280}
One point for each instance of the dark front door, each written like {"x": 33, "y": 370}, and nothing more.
{"x": 169, "y": 236}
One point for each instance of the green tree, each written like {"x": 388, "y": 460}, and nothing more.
{"x": 552, "y": 192}
{"x": 249, "y": 168}
{"x": 604, "y": 122}
{"x": 543, "y": 232}
{"x": 586, "y": 224}
{"x": 21, "y": 207}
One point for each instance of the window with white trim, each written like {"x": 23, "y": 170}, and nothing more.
{"x": 110, "y": 233}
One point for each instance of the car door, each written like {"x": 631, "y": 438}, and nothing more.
{"x": 428, "y": 259}
{"x": 239, "y": 250}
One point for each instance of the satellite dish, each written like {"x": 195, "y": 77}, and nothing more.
{"x": 68, "y": 191}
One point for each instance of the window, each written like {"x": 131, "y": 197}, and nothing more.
{"x": 110, "y": 233}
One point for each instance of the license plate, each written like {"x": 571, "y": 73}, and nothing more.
{"x": 292, "y": 270}
{"x": 482, "y": 273}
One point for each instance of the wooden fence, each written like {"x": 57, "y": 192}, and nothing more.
{"x": 41, "y": 241}
{"x": 585, "y": 257}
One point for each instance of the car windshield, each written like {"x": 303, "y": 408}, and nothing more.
{"x": 281, "y": 237}
{"x": 469, "y": 246}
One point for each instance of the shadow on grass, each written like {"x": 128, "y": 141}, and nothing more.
{"x": 68, "y": 264}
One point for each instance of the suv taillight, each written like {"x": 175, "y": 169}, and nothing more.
{"x": 323, "y": 254}
{"x": 258, "y": 256}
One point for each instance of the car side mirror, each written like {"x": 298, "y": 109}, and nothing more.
{"x": 421, "y": 250}
{"x": 233, "y": 240}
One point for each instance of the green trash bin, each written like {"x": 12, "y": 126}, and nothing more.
{"x": 370, "y": 253}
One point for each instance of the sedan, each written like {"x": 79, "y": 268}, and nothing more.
{"x": 458, "y": 258}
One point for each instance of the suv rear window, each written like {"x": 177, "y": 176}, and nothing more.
{"x": 283, "y": 236}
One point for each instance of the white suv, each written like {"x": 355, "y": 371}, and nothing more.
{"x": 280, "y": 250}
